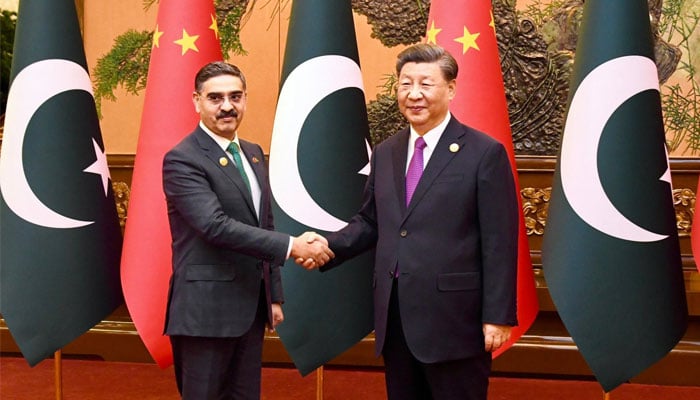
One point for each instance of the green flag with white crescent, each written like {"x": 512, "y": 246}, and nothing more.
{"x": 319, "y": 162}
{"x": 611, "y": 254}
{"x": 60, "y": 240}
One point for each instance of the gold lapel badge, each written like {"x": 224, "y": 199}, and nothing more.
{"x": 255, "y": 160}
{"x": 223, "y": 161}
{"x": 454, "y": 147}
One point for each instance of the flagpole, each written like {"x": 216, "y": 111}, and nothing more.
{"x": 319, "y": 383}
{"x": 58, "y": 374}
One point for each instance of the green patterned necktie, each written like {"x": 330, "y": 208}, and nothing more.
{"x": 233, "y": 149}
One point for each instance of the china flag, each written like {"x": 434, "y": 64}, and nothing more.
{"x": 466, "y": 29}
{"x": 186, "y": 37}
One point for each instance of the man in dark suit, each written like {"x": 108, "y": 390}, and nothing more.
{"x": 445, "y": 267}
{"x": 226, "y": 281}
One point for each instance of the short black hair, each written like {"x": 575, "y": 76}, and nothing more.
{"x": 429, "y": 53}
{"x": 214, "y": 69}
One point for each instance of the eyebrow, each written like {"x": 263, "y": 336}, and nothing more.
{"x": 220, "y": 93}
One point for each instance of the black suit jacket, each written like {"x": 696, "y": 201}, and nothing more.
{"x": 455, "y": 244}
{"x": 221, "y": 249}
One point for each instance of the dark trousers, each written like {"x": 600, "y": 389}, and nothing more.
{"x": 409, "y": 379}
{"x": 209, "y": 368}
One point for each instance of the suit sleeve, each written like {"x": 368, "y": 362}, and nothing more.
{"x": 498, "y": 216}
{"x": 276, "y": 290}
{"x": 360, "y": 234}
{"x": 191, "y": 194}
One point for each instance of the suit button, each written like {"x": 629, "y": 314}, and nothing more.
{"x": 404, "y": 233}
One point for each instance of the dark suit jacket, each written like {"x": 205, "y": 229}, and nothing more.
{"x": 455, "y": 244}
{"x": 221, "y": 249}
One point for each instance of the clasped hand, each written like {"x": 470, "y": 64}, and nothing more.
{"x": 310, "y": 250}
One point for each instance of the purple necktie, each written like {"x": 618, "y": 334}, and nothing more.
{"x": 415, "y": 169}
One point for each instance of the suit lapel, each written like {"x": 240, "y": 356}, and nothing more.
{"x": 219, "y": 157}
{"x": 399, "y": 154}
{"x": 442, "y": 155}
{"x": 256, "y": 161}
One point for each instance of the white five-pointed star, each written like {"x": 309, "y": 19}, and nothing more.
{"x": 100, "y": 166}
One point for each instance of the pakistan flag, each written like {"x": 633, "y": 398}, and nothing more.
{"x": 610, "y": 254}
{"x": 319, "y": 162}
{"x": 60, "y": 240}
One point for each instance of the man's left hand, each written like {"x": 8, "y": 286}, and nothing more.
{"x": 495, "y": 336}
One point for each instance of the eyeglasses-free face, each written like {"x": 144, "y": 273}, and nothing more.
{"x": 424, "y": 95}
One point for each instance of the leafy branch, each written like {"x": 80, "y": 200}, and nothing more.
{"x": 681, "y": 103}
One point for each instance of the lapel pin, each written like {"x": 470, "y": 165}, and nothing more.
{"x": 255, "y": 160}
{"x": 454, "y": 147}
{"x": 223, "y": 161}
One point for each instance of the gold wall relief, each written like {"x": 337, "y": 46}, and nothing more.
{"x": 536, "y": 203}
{"x": 121, "y": 198}
{"x": 684, "y": 203}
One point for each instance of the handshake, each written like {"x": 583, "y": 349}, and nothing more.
{"x": 310, "y": 250}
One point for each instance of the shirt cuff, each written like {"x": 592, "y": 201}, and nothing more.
{"x": 289, "y": 247}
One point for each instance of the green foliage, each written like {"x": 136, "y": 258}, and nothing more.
{"x": 681, "y": 103}
{"x": 229, "y": 21}
{"x": 383, "y": 113}
{"x": 541, "y": 11}
{"x": 8, "y": 22}
{"x": 126, "y": 65}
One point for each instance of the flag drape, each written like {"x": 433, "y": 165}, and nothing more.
{"x": 319, "y": 145}
{"x": 611, "y": 254}
{"x": 186, "y": 38}
{"x": 467, "y": 30}
{"x": 60, "y": 239}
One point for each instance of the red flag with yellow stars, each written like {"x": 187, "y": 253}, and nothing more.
{"x": 186, "y": 38}
{"x": 467, "y": 30}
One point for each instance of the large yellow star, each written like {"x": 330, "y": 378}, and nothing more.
{"x": 214, "y": 26}
{"x": 156, "y": 37}
{"x": 468, "y": 40}
{"x": 187, "y": 42}
{"x": 432, "y": 33}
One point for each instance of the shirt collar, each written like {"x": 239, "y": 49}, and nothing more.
{"x": 432, "y": 137}
{"x": 220, "y": 140}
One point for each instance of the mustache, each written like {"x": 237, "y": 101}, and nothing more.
{"x": 227, "y": 114}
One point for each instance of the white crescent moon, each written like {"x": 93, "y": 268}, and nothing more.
{"x": 602, "y": 91}
{"x": 31, "y": 88}
{"x": 305, "y": 87}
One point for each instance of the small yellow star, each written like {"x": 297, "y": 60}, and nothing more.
{"x": 187, "y": 42}
{"x": 468, "y": 40}
{"x": 156, "y": 37}
{"x": 214, "y": 26}
{"x": 492, "y": 24}
{"x": 432, "y": 33}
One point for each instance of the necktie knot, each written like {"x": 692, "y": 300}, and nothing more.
{"x": 420, "y": 143}
{"x": 233, "y": 148}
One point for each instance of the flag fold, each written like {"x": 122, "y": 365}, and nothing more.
{"x": 185, "y": 38}
{"x": 611, "y": 254}
{"x": 466, "y": 29}
{"x": 60, "y": 239}
{"x": 318, "y": 166}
